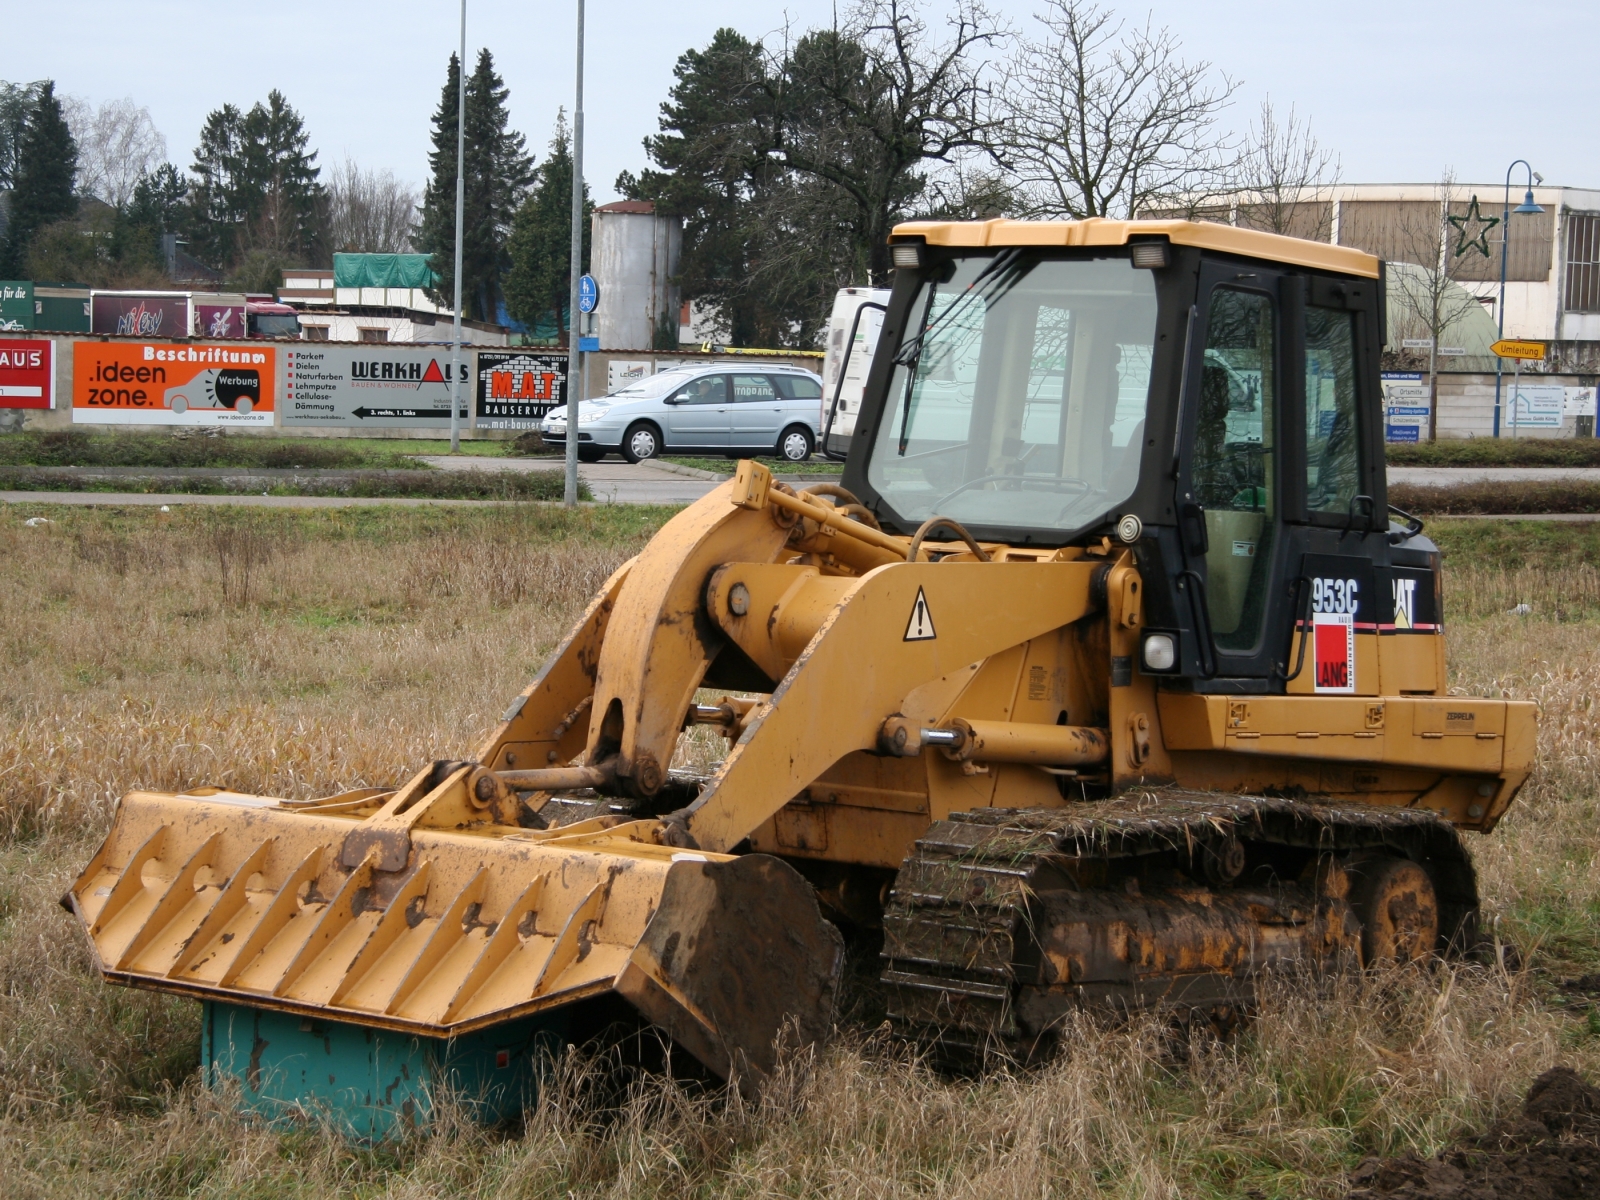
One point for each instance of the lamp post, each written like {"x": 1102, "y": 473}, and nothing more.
{"x": 574, "y": 396}
{"x": 1527, "y": 206}
{"x": 461, "y": 149}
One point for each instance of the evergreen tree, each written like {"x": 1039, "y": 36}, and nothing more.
{"x": 256, "y": 194}
{"x": 158, "y": 207}
{"x": 213, "y": 219}
{"x": 497, "y": 172}
{"x": 539, "y": 285}
{"x": 47, "y": 161}
{"x": 16, "y": 102}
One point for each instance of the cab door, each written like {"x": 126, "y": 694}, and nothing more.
{"x": 1231, "y": 492}
{"x": 1340, "y": 582}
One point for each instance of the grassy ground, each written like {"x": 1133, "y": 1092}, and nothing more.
{"x": 193, "y": 448}
{"x": 1530, "y": 497}
{"x": 296, "y": 653}
{"x": 409, "y": 484}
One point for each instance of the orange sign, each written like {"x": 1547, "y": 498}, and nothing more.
{"x": 1532, "y": 351}
{"x": 151, "y": 383}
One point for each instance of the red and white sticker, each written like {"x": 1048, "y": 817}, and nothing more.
{"x": 1333, "y": 651}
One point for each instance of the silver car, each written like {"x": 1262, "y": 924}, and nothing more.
{"x": 705, "y": 409}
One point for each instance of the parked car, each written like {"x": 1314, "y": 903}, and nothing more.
{"x": 712, "y": 408}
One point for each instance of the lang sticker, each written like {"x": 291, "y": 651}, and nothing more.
{"x": 920, "y": 627}
{"x": 1333, "y": 646}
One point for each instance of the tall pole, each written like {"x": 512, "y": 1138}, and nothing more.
{"x": 569, "y": 496}
{"x": 461, "y": 204}
{"x": 1505, "y": 241}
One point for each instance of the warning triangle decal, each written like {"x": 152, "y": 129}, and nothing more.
{"x": 920, "y": 627}
{"x": 433, "y": 374}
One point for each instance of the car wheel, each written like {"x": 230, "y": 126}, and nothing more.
{"x": 642, "y": 441}
{"x": 795, "y": 445}
{"x": 590, "y": 454}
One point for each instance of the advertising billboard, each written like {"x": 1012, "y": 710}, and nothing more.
{"x": 371, "y": 387}
{"x": 1407, "y": 401}
{"x": 129, "y": 383}
{"x": 131, "y": 314}
{"x": 223, "y": 320}
{"x": 516, "y": 388}
{"x": 16, "y": 304}
{"x": 1537, "y": 406}
{"x": 27, "y": 374}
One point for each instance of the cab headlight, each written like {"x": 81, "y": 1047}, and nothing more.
{"x": 593, "y": 415}
{"x": 1160, "y": 652}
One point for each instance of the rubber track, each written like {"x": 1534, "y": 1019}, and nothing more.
{"x": 957, "y": 951}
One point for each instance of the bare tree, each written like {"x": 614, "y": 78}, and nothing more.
{"x": 867, "y": 107}
{"x": 370, "y": 210}
{"x": 1108, "y": 120}
{"x": 1429, "y": 302}
{"x": 1285, "y": 177}
{"x": 117, "y": 143}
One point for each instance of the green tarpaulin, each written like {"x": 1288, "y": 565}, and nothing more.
{"x": 382, "y": 270}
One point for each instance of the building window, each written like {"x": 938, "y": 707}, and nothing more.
{"x": 374, "y": 335}
{"x": 1583, "y": 262}
{"x": 316, "y": 333}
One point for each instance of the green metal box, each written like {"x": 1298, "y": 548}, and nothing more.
{"x": 372, "y": 1083}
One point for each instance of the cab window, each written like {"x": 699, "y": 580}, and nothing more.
{"x": 1232, "y": 470}
{"x": 1332, "y": 447}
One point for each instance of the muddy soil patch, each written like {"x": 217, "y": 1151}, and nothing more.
{"x": 1550, "y": 1152}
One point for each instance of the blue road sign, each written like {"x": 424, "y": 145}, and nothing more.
{"x": 588, "y": 294}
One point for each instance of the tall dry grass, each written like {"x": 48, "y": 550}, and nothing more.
{"x": 355, "y": 654}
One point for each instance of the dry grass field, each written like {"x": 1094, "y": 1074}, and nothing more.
{"x": 297, "y": 653}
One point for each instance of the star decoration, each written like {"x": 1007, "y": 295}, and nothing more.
{"x": 1473, "y": 228}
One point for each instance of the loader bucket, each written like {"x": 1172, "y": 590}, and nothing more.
{"x": 338, "y": 910}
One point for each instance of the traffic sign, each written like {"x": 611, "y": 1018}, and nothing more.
{"x": 1532, "y": 351}
{"x": 589, "y": 294}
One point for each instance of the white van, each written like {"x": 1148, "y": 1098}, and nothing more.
{"x": 852, "y": 341}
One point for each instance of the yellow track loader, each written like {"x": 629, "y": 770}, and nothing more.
{"x": 1106, "y": 676}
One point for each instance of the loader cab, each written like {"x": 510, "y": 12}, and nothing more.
{"x": 1219, "y": 385}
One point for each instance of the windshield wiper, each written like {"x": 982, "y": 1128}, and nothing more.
{"x": 910, "y": 353}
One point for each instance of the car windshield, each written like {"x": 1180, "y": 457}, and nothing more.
{"x": 651, "y": 386}
{"x": 1022, "y": 404}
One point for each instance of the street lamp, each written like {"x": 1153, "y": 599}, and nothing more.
{"x": 1527, "y": 206}
{"x": 574, "y": 397}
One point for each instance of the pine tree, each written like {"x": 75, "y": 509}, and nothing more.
{"x": 213, "y": 219}
{"x": 255, "y": 192}
{"x": 276, "y": 184}
{"x": 497, "y": 172}
{"x": 158, "y": 206}
{"x": 47, "y": 161}
{"x": 538, "y": 286}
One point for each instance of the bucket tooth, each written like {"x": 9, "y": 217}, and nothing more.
{"x": 322, "y": 945}
{"x": 499, "y": 946}
{"x": 231, "y": 898}
{"x": 178, "y": 896}
{"x": 279, "y": 914}
{"x": 568, "y": 944}
{"x": 120, "y": 897}
{"x": 442, "y": 939}
{"x": 386, "y": 936}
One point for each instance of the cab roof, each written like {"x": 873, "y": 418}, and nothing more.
{"x": 1101, "y": 231}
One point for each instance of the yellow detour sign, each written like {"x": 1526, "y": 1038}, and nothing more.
{"x": 1533, "y": 351}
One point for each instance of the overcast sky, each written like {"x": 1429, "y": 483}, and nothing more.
{"x": 1399, "y": 89}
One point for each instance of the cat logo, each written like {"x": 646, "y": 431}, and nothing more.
{"x": 1405, "y": 603}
